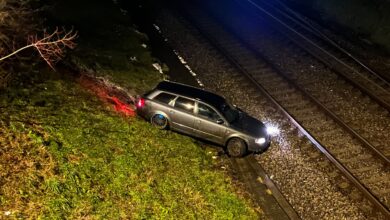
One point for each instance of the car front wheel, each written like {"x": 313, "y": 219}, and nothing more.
{"x": 236, "y": 147}
{"x": 159, "y": 121}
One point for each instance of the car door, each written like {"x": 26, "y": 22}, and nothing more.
{"x": 206, "y": 125}
{"x": 182, "y": 115}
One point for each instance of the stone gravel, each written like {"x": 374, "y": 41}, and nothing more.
{"x": 361, "y": 113}
{"x": 308, "y": 189}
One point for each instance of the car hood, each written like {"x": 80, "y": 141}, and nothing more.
{"x": 250, "y": 125}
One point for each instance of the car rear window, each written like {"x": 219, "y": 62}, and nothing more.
{"x": 185, "y": 104}
{"x": 164, "y": 98}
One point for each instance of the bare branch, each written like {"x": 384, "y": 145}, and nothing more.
{"x": 51, "y": 47}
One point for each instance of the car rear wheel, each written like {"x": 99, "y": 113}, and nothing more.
{"x": 159, "y": 121}
{"x": 236, "y": 147}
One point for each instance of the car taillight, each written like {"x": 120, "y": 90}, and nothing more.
{"x": 141, "y": 103}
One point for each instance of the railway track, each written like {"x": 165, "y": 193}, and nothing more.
{"x": 359, "y": 165}
{"x": 336, "y": 94}
{"x": 313, "y": 42}
{"x": 263, "y": 188}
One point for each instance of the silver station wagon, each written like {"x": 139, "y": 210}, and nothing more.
{"x": 205, "y": 115}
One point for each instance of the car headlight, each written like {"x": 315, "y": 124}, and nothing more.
{"x": 260, "y": 140}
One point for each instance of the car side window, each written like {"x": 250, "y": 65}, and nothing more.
{"x": 185, "y": 104}
{"x": 207, "y": 112}
{"x": 164, "y": 98}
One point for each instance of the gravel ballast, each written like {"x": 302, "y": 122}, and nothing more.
{"x": 308, "y": 188}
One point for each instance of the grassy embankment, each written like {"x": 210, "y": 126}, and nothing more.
{"x": 65, "y": 153}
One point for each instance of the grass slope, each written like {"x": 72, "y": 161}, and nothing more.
{"x": 66, "y": 154}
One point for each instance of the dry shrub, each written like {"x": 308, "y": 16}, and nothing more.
{"x": 24, "y": 165}
{"x": 16, "y": 22}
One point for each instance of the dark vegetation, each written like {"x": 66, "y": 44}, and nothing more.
{"x": 66, "y": 153}
{"x": 16, "y": 23}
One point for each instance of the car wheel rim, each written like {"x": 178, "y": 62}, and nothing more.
{"x": 235, "y": 148}
{"x": 159, "y": 121}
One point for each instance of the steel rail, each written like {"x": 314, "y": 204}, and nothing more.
{"x": 309, "y": 27}
{"x": 325, "y": 109}
{"x": 249, "y": 164}
{"x": 313, "y": 43}
{"x": 259, "y": 170}
{"x": 328, "y": 112}
{"x": 369, "y": 92}
{"x": 372, "y": 198}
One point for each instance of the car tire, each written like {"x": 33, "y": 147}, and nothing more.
{"x": 236, "y": 147}
{"x": 159, "y": 121}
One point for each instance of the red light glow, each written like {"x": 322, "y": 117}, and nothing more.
{"x": 121, "y": 107}
{"x": 102, "y": 92}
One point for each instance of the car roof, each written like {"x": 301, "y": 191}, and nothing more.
{"x": 192, "y": 92}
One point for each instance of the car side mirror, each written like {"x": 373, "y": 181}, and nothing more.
{"x": 220, "y": 121}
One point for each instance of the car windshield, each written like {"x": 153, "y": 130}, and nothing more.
{"x": 231, "y": 114}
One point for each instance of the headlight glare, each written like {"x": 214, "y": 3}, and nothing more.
{"x": 272, "y": 130}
